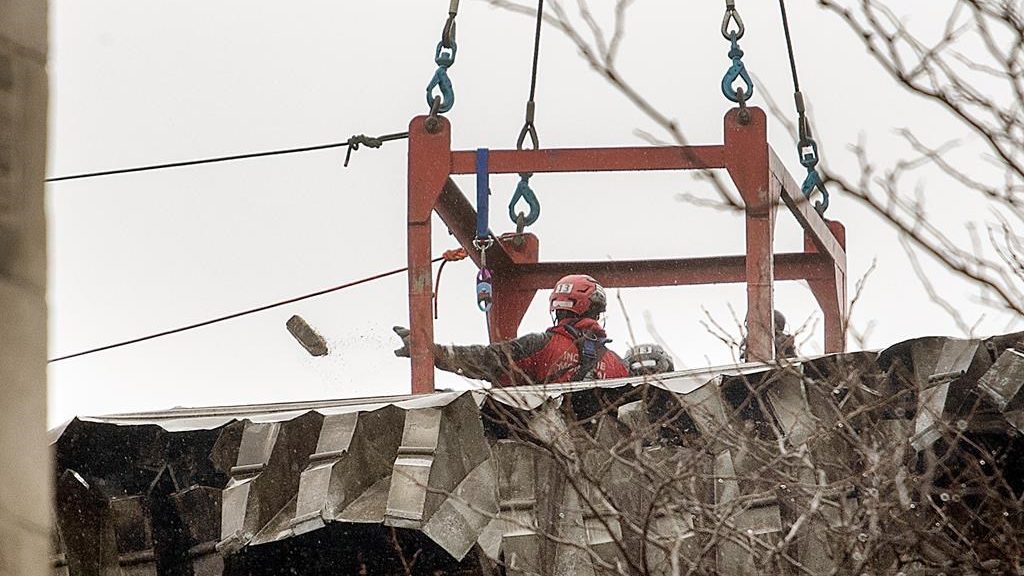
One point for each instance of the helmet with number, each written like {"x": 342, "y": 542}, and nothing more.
{"x": 648, "y": 359}
{"x": 579, "y": 294}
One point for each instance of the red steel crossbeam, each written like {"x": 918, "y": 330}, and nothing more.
{"x": 759, "y": 175}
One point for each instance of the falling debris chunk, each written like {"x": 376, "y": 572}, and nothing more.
{"x": 313, "y": 342}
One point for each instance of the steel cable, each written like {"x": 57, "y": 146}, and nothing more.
{"x": 352, "y": 143}
{"x": 789, "y": 45}
{"x": 238, "y": 314}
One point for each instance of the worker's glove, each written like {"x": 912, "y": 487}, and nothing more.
{"x": 403, "y": 333}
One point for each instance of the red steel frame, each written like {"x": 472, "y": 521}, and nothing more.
{"x": 757, "y": 172}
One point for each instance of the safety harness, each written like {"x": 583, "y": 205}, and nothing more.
{"x": 591, "y": 348}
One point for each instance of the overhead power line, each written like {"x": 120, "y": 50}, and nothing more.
{"x": 352, "y": 143}
{"x": 239, "y": 314}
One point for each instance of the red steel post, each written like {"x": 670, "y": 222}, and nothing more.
{"x": 830, "y": 292}
{"x": 747, "y": 161}
{"x": 429, "y": 157}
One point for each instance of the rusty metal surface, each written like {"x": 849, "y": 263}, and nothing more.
{"x": 446, "y": 475}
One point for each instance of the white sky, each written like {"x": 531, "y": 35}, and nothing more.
{"x": 146, "y": 82}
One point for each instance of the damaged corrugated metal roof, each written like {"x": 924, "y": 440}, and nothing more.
{"x": 457, "y": 482}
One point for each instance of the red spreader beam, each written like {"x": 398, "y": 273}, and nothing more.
{"x": 759, "y": 175}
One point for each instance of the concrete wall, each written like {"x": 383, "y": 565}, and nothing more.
{"x": 24, "y": 456}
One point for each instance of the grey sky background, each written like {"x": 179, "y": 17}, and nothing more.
{"x": 146, "y": 82}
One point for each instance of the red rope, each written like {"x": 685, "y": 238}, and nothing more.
{"x": 453, "y": 255}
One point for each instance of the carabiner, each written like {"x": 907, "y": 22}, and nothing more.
{"x": 524, "y": 192}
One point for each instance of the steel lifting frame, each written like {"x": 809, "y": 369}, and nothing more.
{"x": 757, "y": 172}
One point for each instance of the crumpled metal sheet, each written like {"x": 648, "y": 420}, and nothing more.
{"x": 85, "y": 522}
{"x": 512, "y": 534}
{"x": 939, "y": 367}
{"x": 440, "y": 446}
{"x": 354, "y": 451}
{"x": 199, "y": 510}
{"x": 102, "y": 534}
{"x": 1003, "y": 382}
{"x": 133, "y": 530}
{"x": 265, "y": 477}
{"x": 477, "y": 491}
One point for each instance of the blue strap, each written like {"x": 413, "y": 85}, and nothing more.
{"x": 483, "y": 192}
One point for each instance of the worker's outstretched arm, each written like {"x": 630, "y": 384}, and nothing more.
{"x": 493, "y": 362}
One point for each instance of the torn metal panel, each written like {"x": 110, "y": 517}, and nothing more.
{"x": 566, "y": 521}
{"x": 788, "y": 403}
{"x": 608, "y": 490}
{"x": 996, "y": 345}
{"x": 440, "y": 446}
{"x": 466, "y": 513}
{"x": 408, "y": 493}
{"x": 512, "y": 536}
{"x": 240, "y": 514}
{"x": 938, "y": 364}
{"x": 1004, "y": 380}
{"x": 354, "y": 451}
{"x": 558, "y": 500}
{"x": 731, "y": 557}
{"x": 602, "y": 525}
{"x": 708, "y": 410}
{"x": 266, "y": 476}
{"x": 671, "y": 527}
{"x": 669, "y": 534}
{"x": 634, "y": 416}
{"x": 760, "y": 520}
{"x": 134, "y": 534}
{"x": 199, "y": 509}
{"x": 757, "y": 529}
{"x": 548, "y": 426}
{"x": 752, "y": 523}
{"x": 1016, "y": 419}
{"x": 812, "y": 545}
{"x": 86, "y": 522}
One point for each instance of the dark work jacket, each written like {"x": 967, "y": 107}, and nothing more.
{"x": 540, "y": 358}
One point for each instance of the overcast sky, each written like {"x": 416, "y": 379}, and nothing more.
{"x": 137, "y": 82}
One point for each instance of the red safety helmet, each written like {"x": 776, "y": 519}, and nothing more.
{"x": 578, "y": 293}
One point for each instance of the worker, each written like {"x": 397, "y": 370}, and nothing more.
{"x": 785, "y": 344}
{"x": 571, "y": 350}
{"x": 648, "y": 359}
